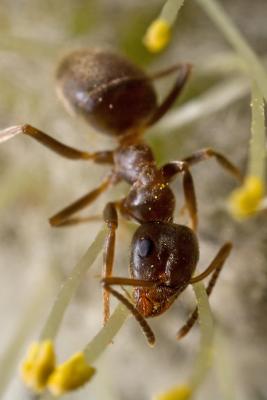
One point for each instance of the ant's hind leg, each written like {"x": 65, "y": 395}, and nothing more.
{"x": 215, "y": 264}
{"x": 183, "y": 74}
{"x": 79, "y": 220}
{"x": 54, "y": 145}
{"x": 215, "y": 268}
{"x": 62, "y": 218}
{"x": 205, "y": 154}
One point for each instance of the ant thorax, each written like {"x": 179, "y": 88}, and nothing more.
{"x": 150, "y": 197}
{"x": 132, "y": 160}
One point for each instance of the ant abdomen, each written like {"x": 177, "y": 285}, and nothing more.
{"x": 111, "y": 93}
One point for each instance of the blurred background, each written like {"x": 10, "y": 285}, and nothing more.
{"x": 35, "y": 183}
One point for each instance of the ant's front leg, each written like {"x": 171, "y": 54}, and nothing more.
{"x": 63, "y": 218}
{"x": 169, "y": 171}
{"x": 205, "y": 154}
{"x": 54, "y": 145}
{"x": 215, "y": 268}
{"x": 183, "y": 75}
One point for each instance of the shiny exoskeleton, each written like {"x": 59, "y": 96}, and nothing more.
{"x": 118, "y": 99}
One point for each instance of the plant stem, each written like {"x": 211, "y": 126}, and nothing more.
{"x": 25, "y": 326}
{"x": 204, "y": 357}
{"x": 170, "y": 10}
{"x": 69, "y": 287}
{"x": 257, "y": 152}
{"x": 105, "y": 336}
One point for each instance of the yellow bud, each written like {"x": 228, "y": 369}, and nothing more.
{"x": 245, "y": 200}
{"x": 38, "y": 365}
{"x": 157, "y": 35}
{"x": 182, "y": 392}
{"x": 70, "y": 375}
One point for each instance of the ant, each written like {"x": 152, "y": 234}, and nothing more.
{"x": 119, "y": 99}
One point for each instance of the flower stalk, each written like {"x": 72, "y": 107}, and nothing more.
{"x": 158, "y": 33}
{"x": 39, "y": 370}
{"x": 69, "y": 287}
{"x": 205, "y": 355}
{"x": 248, "y": 199}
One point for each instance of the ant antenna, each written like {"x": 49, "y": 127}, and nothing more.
{"x": 147, "y": 331}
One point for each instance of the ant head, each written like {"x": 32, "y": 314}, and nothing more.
{"x": 163, "y": 252}
{"x": 111, "y": 93}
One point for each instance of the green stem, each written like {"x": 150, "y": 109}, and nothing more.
{"x": 105, "y": 336}
{"x": 258, "y": 140}
{"x": 224, "y": 367}
{"x": 170, "y": 10}
{"x": 69, "y": 287}
{"x": 29, "y": 320}
{"x": 204, "y": 357}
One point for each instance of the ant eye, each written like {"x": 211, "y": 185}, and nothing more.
{"x": 145, "y": 247}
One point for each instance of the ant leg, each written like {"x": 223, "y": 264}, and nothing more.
{"x": 205, "y": 154}
{"x": 115, "y": 280}
{"x": 62, "y": 217}
{"x": 188, "y": 325}
{"x": 79, "y": 220}
{"x": 215, "y": 267}
{"x": 190, "y": 198}
{"x": 139, "y": 318}
{"x": 184, "y": 71}
{"x": 111, "y": 219}
{"x": 218, "y": 260}
{"x": 169, "y": 171}
{"x": 54, "y": 145}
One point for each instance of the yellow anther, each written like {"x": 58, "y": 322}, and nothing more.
{"x": 245, "y": 200}
{"x": 70, "y": 375}
{"x": 157, "y": 35}
{"x": 183, "y": 392}
{"x": 38, "y": 365}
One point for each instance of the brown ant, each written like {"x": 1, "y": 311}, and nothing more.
{"x": 119, "y": 99}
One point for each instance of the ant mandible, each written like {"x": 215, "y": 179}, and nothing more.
{"x": 118, "y": 99}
